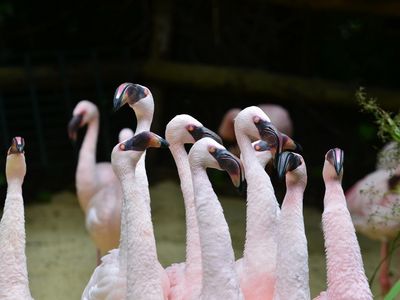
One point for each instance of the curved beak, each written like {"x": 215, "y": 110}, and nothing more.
{"x": 277, "y": 141}
{"x": 335, "y": 157}
{"x": 144, "y": 140}
{"x": 199, "y": 132}
{"x": 233, "y": 166}
{"x": 288, "y": 162}
{"x": 73, "y": 126}
{"x": 128, "y": 93}
{"x": 17, "y": 145}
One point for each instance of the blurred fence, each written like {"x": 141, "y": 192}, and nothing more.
{"x": 37, "y": 103}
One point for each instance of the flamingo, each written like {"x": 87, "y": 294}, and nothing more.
{"x": 14, "y": 283}
{"x": 279, "y": 117}
{"x": 133, "y": 270}
{"x": 99, "y": 191}
{"x": 220, "y": 280}
{"x": 374, "y": 205}
{"x": 292, "y": 273}
{"x": 185, "y": 278}
{"x": 345, "y": 270}
{"x": 140, "y": 100}
{"x": 257, "y": 268}
{"x": 389, "y": 156}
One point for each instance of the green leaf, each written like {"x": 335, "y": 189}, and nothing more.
{"x": 394, "y": 292}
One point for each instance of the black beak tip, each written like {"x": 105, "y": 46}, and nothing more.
{"x": 117, "y": 104}
{"x": 164, "y": 143}
{"x": 299, "y": 148}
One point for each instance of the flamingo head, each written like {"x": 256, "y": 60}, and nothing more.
{"x": 128, "y": 152}
{"x": 333, "y": 167}
{"x": 15, "y": 165}
{"x": 262, "y": 152}
{"x": 207, "y": 153}
{"x": 226, "y": 129}
{"x": 253, "y": 122}
{"x": 138, "y": 97}
{"x": 184, "y": 129}
{"x": 292, "y": 166}
{"x": 84, "y": 112}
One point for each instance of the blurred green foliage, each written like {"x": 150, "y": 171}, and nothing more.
{"x": 388, "y": 123}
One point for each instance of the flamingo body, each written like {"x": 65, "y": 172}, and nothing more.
{"x": 14, "y": 283}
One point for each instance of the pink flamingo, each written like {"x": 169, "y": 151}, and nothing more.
{"x": 389, "y": 156}
{"x": 278, "y": 115}
{"x": 220, "y": 280}
{"x": 14, "y": 283}
{"x": 186, "y": 277}
{"x": 99, "y": 192}
{"x": 140, "y": 100}
{"x": 345, "y": 271}
{"x": 257, "y": 268}
{"x": 133, "y": 270}
{"x": 374, "y": 205}
{"x": 292, "y": 278}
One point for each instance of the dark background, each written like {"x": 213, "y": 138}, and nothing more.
{"x": 53, "y": 55}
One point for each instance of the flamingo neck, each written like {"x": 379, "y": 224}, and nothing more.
{"x": 261, "y": 214}
{"x": 220, "y": 280}
{"x": 86, "y": 178}
{"x": 193, "y": 250}
{"x": 144, "y": 121}
{"x": 12, "y": 243}
{"x": 345, "y": 271}
{"x": 138, "y": 253}
{"x": 292, "y": 271}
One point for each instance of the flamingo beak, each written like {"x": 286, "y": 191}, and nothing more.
{"x": 73, "y": 126}
{"x": 128, "y": 93}
{"x": 144, "y": 140}
{"x": 17, "y": 145}
{"x": 288, "y": 162}
{"x": 277, "y": 141}
{"x": 233, "y": 166}
{"x": 336, "y": 157}
{"x": 198, "y": 132}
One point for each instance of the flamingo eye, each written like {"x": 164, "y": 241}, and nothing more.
{"x": 212, "y": 149}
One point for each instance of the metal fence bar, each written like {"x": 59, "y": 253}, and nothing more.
{"x": 36, "y": 111}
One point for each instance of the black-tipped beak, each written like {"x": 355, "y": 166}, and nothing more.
{"x": 277, "y": 141}
{"x": 287, "y": 162}
{"x": 144, "y": 140}
{"x": 73, "y": 126}
{"x": 128, "y": 93}
{"x": 199, "y": 132}
{"x": 336, "y": 157}
{"x": 233, "y": 166}
{"x": 17, "y": 145}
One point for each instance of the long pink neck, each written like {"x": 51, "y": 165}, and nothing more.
{"x": 12, "y": 242}
{"x": 86, "y": 177}
{"x": 345, "y": 270}
{"x": 220, "y": 280}
{"x": 143, "y": 124}
{"x": 193, "y": 250}
{"x": 143, "y": 277}
{"x": 262, "y": 212}
{"x": 292, "y": 258}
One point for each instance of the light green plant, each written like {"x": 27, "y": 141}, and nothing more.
{"x": 388, "y": 123}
